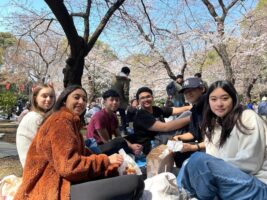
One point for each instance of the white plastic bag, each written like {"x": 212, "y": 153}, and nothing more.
{"x": 8, "y": 187}
{"x": 128, "y": 162}
{"x": 164, "y": 187}
{"x": 174, "y": 145}
{"x": 161, "y": 186}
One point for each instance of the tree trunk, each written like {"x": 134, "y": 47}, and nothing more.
{"x": 91, "y": 89}
{"x": 73, "y": 71}
{"x": 166, "y": 66}
{"x": 248, "y": 89}
{"x": 226, "y": 62}
{"x": 79, "y": 48}
{"x": 74, "y": 65}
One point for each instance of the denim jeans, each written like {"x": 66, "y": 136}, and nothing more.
{"x": 177, "y": 103}
{"x": 207, "y": 177}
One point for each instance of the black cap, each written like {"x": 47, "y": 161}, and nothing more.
{"x": 192, "y": 82}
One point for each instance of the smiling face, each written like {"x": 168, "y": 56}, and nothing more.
{"x": 45, "y": 99}
{"x": 76, "y": 101}
{"x": 192, "y": 95}
{"x": 221, "y": 103}
{"x": 145, "y": 100}
{"x": 112, "y": 104}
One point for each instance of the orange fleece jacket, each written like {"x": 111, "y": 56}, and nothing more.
{"x": 57, "y": 157}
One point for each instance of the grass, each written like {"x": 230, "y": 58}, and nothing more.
{"x": 10, "y": 165}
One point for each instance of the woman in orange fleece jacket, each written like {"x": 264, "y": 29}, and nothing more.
{"x": 57, "y": 156}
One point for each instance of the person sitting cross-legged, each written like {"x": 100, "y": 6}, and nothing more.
{"x": 149, "y": 120}
{"x": 58, "y": 163}
{"x": 234, "y": 165}
{"x": 104, "y": 127}
{"x": 43, "y": 98}
{"x": 194, "y": 92}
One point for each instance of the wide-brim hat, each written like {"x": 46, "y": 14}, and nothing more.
{"x": 190, "y": 83}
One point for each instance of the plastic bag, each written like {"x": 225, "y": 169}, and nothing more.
{"x": 159, "y": 159}
{"x": 174, "y": 145}
{"x": 128, "y": 164}
{"x": 161, "y": 186}
{"x": 164, "y": 187}
{"x": 8, "y": 187}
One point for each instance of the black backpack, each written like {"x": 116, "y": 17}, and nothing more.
{"x": 171, "y": 89}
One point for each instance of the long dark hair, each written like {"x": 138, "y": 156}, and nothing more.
{"x": 227, "y": 122}
{"x": 64, "y": 95}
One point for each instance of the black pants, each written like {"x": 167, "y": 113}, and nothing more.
{"x": 114, "y": 146}
{"x": 180, "y": 157}
{"x": 123, "y": 119}
{"x": 117, "y": 188}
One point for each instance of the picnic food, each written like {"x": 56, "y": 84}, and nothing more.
{"x": 130, "y": 169}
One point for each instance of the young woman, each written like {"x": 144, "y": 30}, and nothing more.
{"x": 58, "y": 158}
{"x": 42, "y": 100}
{"x": 235, "y": 166}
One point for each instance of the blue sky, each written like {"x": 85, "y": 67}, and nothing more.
{"x": 6, "y": 9}
{"x": 3, "y": 12}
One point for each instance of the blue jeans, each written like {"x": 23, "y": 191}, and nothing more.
{"x": 177, "y": 103}
{"x": 207, "y": 177}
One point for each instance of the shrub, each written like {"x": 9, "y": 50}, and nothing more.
{"x": 8, "y": 101}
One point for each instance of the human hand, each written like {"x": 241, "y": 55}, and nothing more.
{"x": 115, "y": 159}
{"x": 187, "y": 147}
{"x": 176, "y": 137}
{"x": 136, "y": 148}
{"x": 189, "y": 107}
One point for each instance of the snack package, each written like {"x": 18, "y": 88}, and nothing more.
{"x": 128, "y": 165}
{"x": 174, "y": 145}
{"x": 160, "y": 159}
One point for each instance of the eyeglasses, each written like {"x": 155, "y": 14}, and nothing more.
{"x": 146, "y": 97}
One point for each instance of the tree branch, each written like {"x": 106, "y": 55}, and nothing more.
{"x": 66, "y": 21}
{"x": 86, "y": 32}
{"x": 211, "y": 9}
{"x": 103, "y": 23}
{"x": 223, "y": 7}
{"x": 149, "y": 21}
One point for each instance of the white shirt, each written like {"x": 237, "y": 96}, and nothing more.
{"x": 26, "y": 132}
{"x": 248, "y": 151}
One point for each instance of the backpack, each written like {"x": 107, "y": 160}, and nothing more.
{"x": 171, "y": 89}
{"x": 262, "y": 108}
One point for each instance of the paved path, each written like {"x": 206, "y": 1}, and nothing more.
{"x": 7, "y": 149}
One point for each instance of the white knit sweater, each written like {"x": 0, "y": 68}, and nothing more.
{"x": 248, "y": 151}
{"x": 26, "y": 132}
